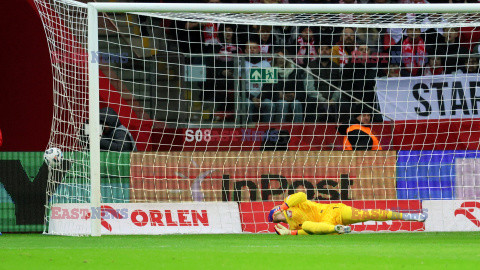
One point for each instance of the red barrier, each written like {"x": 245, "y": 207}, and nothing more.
{"x": 303, "y": 137}
{"x": 453, "y": 134}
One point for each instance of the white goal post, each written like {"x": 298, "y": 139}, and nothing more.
{"x": 290, "y": 9}
{"x": 149, "y": 187}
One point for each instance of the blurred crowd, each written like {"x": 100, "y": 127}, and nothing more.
{"x": 323, "y": 72}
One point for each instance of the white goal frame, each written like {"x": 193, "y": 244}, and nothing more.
{"x": 93, "y": 67}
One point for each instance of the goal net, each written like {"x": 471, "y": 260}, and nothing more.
{"x": 201, "y": 122}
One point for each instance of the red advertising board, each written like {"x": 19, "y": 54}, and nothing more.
{"x": 300, "y": 137}
{"x": 253, "y": 215}
{"x": 450, "y": 134}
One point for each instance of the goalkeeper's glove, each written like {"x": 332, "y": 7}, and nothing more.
{"x": 281, "y": 230}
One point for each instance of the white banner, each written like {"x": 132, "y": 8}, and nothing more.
{"x": 452, "y": 215}
{"x": 430, "y": 97}
{"x": 467, "y": 178}
{"x": 147, "y": 218}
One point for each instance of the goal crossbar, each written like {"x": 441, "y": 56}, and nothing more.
{"x": 292, "y": 8}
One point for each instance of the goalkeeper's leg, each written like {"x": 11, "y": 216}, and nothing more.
{"x": 324, "y": 228}
{"x": 352, "y": 215}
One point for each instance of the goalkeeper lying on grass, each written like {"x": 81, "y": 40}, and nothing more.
{"x": 307, "y": 217}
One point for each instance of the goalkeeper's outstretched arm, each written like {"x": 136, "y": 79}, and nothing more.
{"x": 294, "y": 200}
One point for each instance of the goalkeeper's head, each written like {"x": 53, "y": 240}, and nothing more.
{"x": 276, "y": 215}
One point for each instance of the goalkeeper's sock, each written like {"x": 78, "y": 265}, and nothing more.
{"x": 318, "y": 227}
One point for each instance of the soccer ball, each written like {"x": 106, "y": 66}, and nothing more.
{"x": 53, "y": 157}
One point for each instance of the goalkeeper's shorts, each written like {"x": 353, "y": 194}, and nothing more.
{"x": 333, "y": 214}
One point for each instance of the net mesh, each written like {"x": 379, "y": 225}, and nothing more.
{"x": 377, "y": 20}
{"x": 252, "y": 107}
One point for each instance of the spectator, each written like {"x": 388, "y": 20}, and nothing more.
{"x": 210, "y": 36}
{"x": 370, "y": 37}
{"x": 344, "y": 47}
{"x": 322, "y": 89}
{"x": 434, "y": 66}
{"x": 278, "y": 36}
{"x": 469, "y": 37}
{"x": 285, "y": 94}
{"x": 198, "y": 37}
{"x": 455, "y": 55}
{"x": 393, "y": 70}
{"x": 115, "y": 136}
{"x": 433, "y": 37}
{"x": 358, "y": 81}
{"x": 221, "y": 70}
{"x": 357, "y": 132}
{"x": 391, "y": 38}
{"x": 413, "y": 53}
{"x": 266, "y": 39}
{"x": 471, "y": 67}
{"x": 254, "y": 89}
{"x": 305, "y": 46}
{"x": 284, "y": 37}
{"x": 228, "y": 43}
{"x": 189, "y": 38}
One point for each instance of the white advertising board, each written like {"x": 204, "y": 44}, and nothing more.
{"x": 147, "y": 218}
{"x": 452, "y": 215}
{"x": 430, "y": 97}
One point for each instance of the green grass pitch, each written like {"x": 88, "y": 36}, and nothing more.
{"x": 246, "y": 251}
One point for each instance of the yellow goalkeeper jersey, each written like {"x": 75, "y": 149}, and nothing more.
{"x": 301, "y": 210}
